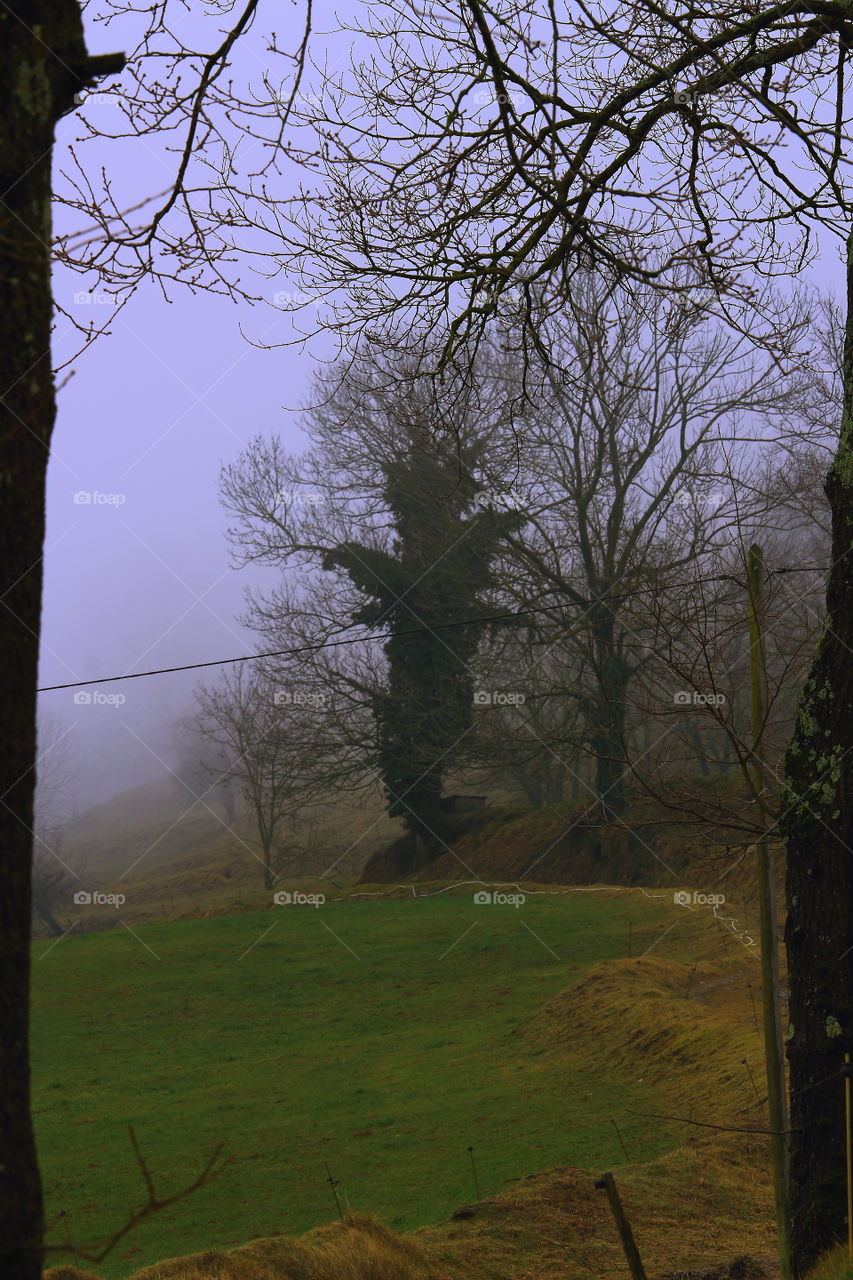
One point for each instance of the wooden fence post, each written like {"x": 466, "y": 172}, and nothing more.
{"x": 626, "y": 1235}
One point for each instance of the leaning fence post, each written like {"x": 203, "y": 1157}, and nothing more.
{"x": 626, "y": 1235}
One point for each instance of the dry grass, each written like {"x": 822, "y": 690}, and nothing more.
{"x": 359, "y": 1249}
{"x": 661, "y": 1020}
{"x": 834, "y": 1266}
{"x": 695, "y": 1210}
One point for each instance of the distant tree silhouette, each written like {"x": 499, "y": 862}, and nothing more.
{"x": 445, "y": 541}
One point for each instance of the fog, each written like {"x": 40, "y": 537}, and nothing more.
{"x": 138, "y": 576}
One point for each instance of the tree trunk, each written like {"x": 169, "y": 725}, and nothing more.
{"x": 695, "y": 737}
{"x": 47, "y": 917}
{"x": 40, "y": 42}
{"x": 609, "y": 772}
{"x": 607, "y": 721}
{"x": 576, "y": 777}
{"x": 555, "y": 787}
{"x": 269, "y": 872}
{"x": 229, "y": 804}
{"x": 530, "y": 783}
{"x": 418, "y": 852}
{"x": 819, "y": 832}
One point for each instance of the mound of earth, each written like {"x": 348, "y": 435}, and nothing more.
{"x": 559, "y": 845}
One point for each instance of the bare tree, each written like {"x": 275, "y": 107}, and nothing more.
{"x": 58, "y": 773}
{"x": 697, "y": 688}
{"x": 272, "y": 735}
{"x": 202, "y": 767}
{"x": 52, "y": 885}
{"x": 637, "y": 445}
{"x": 634, "y": 465}
{"x": 486, "y": 149}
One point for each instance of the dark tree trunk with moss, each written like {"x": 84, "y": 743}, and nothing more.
{"x": 432, "y": 578}
{"x": 43, "y": 64}
{"x": 819, "y": 931}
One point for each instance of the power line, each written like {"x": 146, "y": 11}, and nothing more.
{"x": 413, "y": 631}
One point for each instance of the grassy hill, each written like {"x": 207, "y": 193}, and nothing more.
{"x": 568, "y": 844}
{"x": 171, "y": 858}
{"x": 386, "y": 1036}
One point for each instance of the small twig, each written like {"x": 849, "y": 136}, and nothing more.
{"x": 334, "y": 1184}
{"x": 723, "y": 1128}
{"x": 754, "y": 1014}
{"x": 754, "y": 1085}
{"x": 474, "y": 1170}
{"x": 154, "y": 1204}
{"x": 619, "y": 1136}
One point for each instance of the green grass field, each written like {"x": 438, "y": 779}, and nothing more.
{"x": 384, "y": 1037}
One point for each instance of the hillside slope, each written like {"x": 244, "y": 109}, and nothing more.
{"x": 564, "y": 844}
{"x": 170, "y": 857}
{"x": 696, "y": 1210}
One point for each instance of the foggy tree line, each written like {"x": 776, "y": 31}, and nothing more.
{"x": 556, "y": 551}
{"x": 649, "y": 140}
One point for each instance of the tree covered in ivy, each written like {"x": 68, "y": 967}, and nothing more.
{"x": 428, "y": 590}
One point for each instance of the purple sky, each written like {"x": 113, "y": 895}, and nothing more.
{"x": 150, "y": 415}
{"x": 139, "y": 576}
